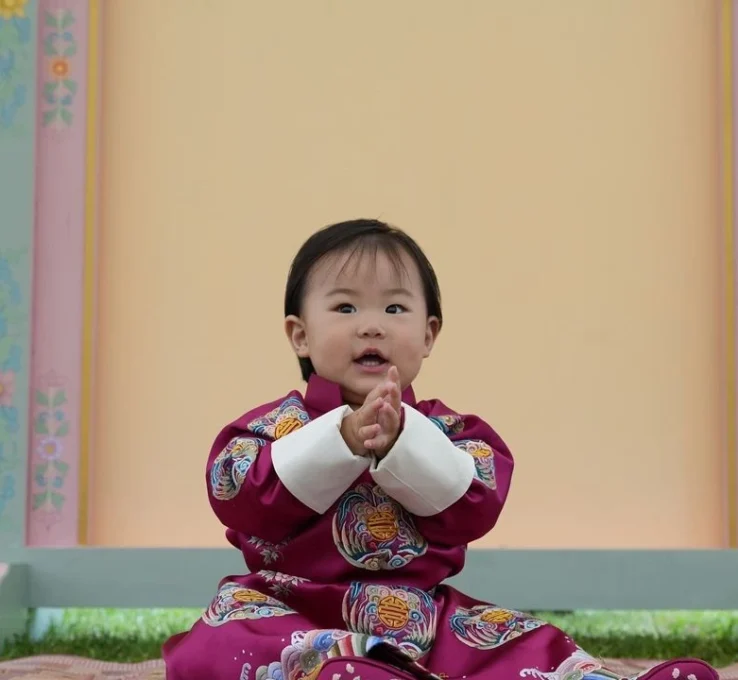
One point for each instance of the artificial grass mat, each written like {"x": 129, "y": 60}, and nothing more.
{"x": 130, "y": 635}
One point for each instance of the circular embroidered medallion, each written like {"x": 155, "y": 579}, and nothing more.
{"x": 372, "y": 531}
{"x": 407, "y": 616}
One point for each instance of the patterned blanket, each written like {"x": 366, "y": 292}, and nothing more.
{"x": 74, "y": 668}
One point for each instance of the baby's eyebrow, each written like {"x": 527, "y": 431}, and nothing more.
{"x": 351, "y": 291}
{"x": 398, "y": 291}
{"x": 342, "y": 291}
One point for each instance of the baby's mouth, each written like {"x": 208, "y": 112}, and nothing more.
{"x": 371, "y": 360}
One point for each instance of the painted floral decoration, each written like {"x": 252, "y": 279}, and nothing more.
{"x": 16, "y": 62}
{"x": 13, "y": 9}
{"x": 12, "y": 318}
{"x": 60, "y": 88}
{"x": 51, "y": 425}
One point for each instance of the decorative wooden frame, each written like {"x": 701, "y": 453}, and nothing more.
{"x": 49, "y": 117}
{"x": 47, "y": 270}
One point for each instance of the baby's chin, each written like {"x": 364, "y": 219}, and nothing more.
{"x": 357, "y": 394}
{"x": 354, "y": 397}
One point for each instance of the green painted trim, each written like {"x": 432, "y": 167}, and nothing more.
{"x": 521, "y": 579}
{"x": 14, "y": 595}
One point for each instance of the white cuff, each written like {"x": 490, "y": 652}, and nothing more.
{"x": 314, "y": 462}
{"x": 424, "y": 471}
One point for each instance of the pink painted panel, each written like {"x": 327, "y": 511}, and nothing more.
{"x": 53, "y": 498}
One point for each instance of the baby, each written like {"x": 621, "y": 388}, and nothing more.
{"x": 353, "y": 502}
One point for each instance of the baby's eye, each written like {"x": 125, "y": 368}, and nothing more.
{"x": 345, "y": 309}
{"x": 395, "y": 309}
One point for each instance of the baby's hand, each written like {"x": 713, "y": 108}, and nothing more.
{"x": 380, "y": 436}
{"x": 374, "y": 427}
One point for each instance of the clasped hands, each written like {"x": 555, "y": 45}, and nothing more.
{"x": 372, "y": 430}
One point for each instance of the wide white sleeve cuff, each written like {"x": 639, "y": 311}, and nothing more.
{"x": 314, "y": 462}
{"x": 424, "y": 471}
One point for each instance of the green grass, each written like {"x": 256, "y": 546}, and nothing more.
{"x": 708, "y": 635}
{"x": 126, "y": 635}
{"x": 136, "y": 635}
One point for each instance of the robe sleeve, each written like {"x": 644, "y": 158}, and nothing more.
{"x": 273, "y": 469}
{"x": 451, "y": 471}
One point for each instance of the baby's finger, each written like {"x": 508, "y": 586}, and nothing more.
{"x": 378, "y": 442}
{"x": 367, "y": 414}
{"x": 387, "y": 414}
{"x": 384, "y": 389}
{"x": 379, "y": 391}
{"x": 389, "y": 421}
{"x": 369, "y": 431}
{"x": 394, "y": 398}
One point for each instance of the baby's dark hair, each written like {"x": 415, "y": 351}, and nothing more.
{"x": 359, "y": 236}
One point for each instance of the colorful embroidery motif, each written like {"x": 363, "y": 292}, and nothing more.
{"x": 372, "y": 531}
{"x": 235, "y": 603}
{"x": 289, "y": 416}
{"x": 270, "y": 552}
{"x": 308, "y": 651}
{"x": 449, "y": 424}
{"x": 578, "y": 666}
{"x": 271, "y": 672}
{"x": 230, "y": 467}
{"x": 282, "y": 585}
{"x": 484, "y": 460}
{"x": 486, "y": 627}
{"x": 404, "y": 615}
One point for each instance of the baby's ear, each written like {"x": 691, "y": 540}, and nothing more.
{"x": 295, "y": 330}
{"x": 432, "y": 329}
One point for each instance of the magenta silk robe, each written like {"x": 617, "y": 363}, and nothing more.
{"x": 347, "y": 555}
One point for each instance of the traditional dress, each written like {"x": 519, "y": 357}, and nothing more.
{"x": 346, "y": 555}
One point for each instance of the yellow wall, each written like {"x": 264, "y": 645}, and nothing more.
{"x": 558, "y": 162}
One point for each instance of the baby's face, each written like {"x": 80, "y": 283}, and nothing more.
{"x": 359, "y": 317}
